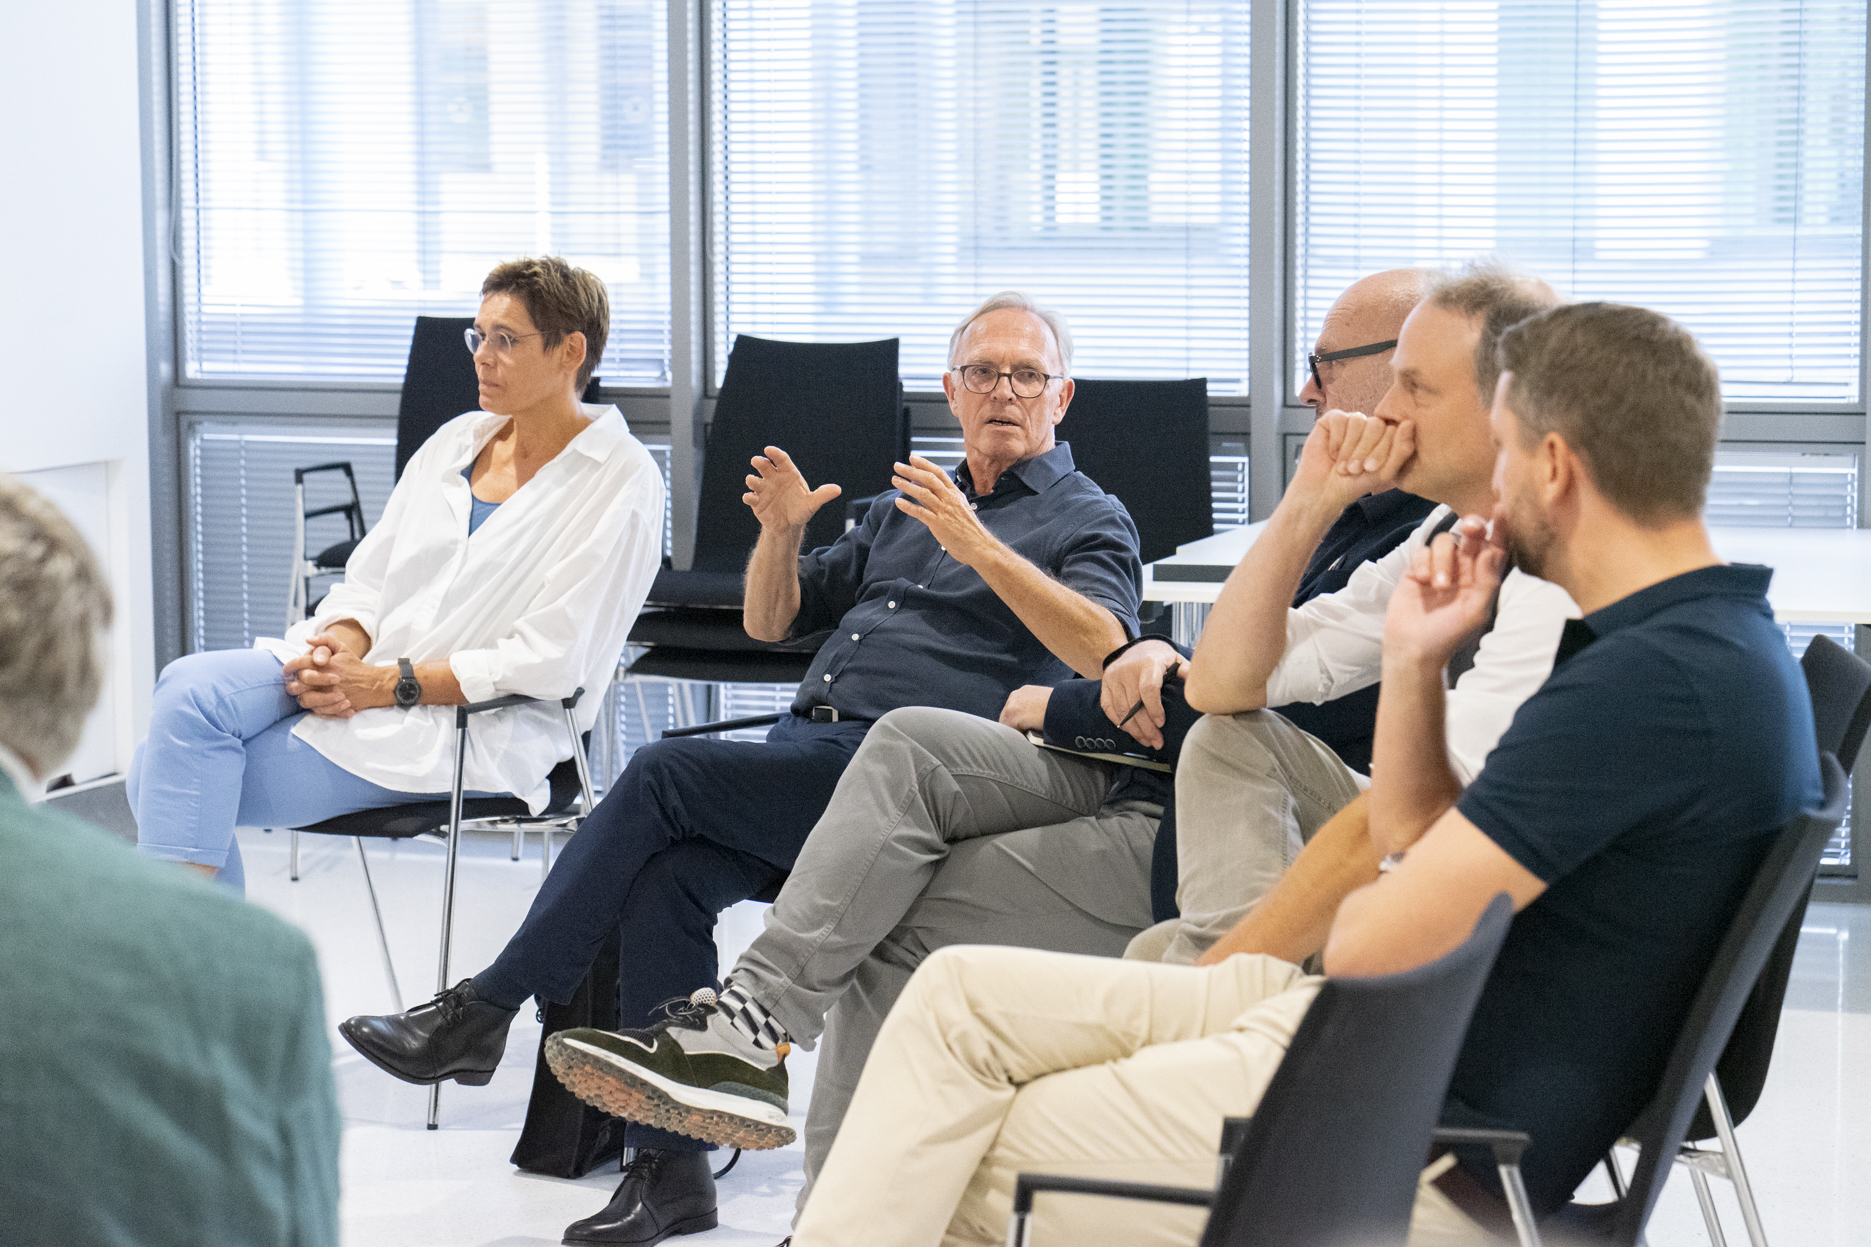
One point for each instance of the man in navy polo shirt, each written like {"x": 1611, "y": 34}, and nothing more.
{"x": 1625, "y": 811}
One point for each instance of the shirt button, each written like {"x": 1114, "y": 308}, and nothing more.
{"x": 974, "y": 506}
{"x": 893, "y": 606}
{"x": 828, "y": 679}
{"x": 854, "y": 636}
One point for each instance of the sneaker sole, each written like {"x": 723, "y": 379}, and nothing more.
{"x": 626, "y": 1090}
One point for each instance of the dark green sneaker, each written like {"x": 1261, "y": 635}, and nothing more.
{"x": 693, "y": 1074}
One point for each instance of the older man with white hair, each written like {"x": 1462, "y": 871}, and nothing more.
{"x": 167, "y": 1074}
{"x": 954, "y": 592}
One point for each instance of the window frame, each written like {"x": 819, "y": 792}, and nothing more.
{"x": 679, "y": 411}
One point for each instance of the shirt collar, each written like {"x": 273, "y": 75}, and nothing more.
{"x": 595, "y": 441}
{"x": 1038, "y": 474}
{"x": 14, "y": 769}
{"x": 1376, "y": 508}
{"x": 1744, "y": 581}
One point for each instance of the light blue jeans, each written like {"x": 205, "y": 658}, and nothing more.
{"x": 221, "y": 755}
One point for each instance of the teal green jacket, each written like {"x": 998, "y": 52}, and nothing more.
{"x": 165, "y": 1077}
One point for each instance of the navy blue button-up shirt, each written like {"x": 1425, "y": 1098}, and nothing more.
{"x": 916, "y": 628}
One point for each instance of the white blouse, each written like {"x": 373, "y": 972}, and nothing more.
{"x": 1335, "y": 642}
{"x": 538, "y": 602}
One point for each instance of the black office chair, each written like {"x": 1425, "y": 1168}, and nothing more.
{"x": 1332, "y": 1155}
{"x": 438, "y": 384}
{"x": 1840, "y": 685}
{"x": 1146, "y": 443}
{"x": 445, "y": 821}
{"x": 1785, "y": 877}
{"x": 837, "y": 409}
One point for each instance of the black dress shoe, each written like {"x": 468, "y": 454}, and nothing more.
{"x": 457, "y": 1035}
{"x": 662, "y": 1194}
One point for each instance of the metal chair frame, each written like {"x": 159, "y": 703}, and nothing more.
{"x": 305, "y": 567}
{"x": 1259, "y": 1153}
{"x": 450, "y": 839}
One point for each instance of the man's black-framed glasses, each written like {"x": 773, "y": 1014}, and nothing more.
{"x": 1332, "y": 357}
{"x": 1026, "y": 382}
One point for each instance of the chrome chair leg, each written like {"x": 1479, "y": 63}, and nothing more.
{"x": 545, "y": 852}
{"x": 293, "y": 837}
{"x": 1700, "y": 1181}
{"x": 1519, "y": 1205}
{"x": 383, "y": 939}
{"x": 578, "y": 758}
{"x": 1731, "y": 1153}
{"x": 519, "y": 840}
{"x": 448, "y": 885}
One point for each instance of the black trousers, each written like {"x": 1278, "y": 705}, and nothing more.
{"x": 689, "y": 828}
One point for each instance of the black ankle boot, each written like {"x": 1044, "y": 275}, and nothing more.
{"x": 662, "y": 1194}
{"x": 457, "y": 1035}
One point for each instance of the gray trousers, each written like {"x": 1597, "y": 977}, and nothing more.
{"x": 945, "y": 829}
{"x": 1251, "y": 789}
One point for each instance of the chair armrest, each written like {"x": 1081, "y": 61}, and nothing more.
{"x": 1508, "y": 1145}
{"x": 1027, "y": 1185}
{"x": 512, "y": 699}
{"x": 725, "y": 725}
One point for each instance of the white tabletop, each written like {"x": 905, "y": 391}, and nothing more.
{"x": 1821, "y": 575}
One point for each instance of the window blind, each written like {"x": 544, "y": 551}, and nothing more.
{"x": 1702, "y": 158}
{"x": 342, "y": 167}
{"x": 880, "y": 167}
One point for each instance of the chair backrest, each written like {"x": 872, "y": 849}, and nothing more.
{"x": 835, "y": 407}
{"x": 1146, "y": 442}
{"x": 1840, "y": 685}
{"x": 439, "y": 383}
{"x": 1785, "y": 876}
{"x": 1332, "y": 1155}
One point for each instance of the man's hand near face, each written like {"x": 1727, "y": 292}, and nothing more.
{"x": 1447, "y": 594}
{"x": 1445, "y": 598}
{"x": 1349, "y": 455}
{"x": 1346, "y": 456}
{"x": 1076, "y": 629}
{"x": 931, "y": 497}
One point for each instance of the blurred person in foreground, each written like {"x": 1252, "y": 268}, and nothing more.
{"x": 164, "y": 1072}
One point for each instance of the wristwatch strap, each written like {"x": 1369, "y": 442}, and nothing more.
{"x": 408, "y": 688}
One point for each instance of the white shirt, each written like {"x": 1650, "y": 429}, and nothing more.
{"x": 1334, "y": 646}
{"x": 538, "y": 602}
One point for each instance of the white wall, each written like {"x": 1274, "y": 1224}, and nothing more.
{"x": 72, "y": 311}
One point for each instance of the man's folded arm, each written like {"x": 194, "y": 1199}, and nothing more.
{"x": 1075, "y": 714}
{"x": 1428, "y": 905}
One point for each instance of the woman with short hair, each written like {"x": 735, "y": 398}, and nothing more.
{"x": 511, "y": 558}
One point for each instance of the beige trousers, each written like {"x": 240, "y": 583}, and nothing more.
{"x": 1251, "y": 789}
{"x": 1001, "y": 1061}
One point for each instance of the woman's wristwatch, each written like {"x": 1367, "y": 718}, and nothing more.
{"x": 408, "y": 688}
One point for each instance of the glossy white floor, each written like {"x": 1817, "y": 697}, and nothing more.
{"x": 1808, "y": 1144}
